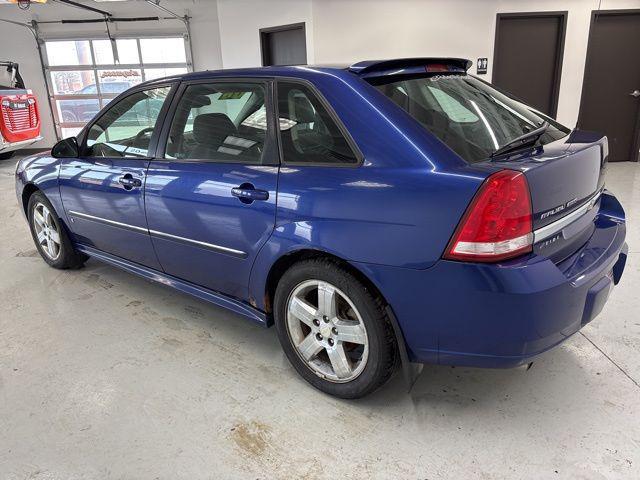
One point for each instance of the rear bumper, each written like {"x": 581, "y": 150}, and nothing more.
{"x": 504, "y": 315}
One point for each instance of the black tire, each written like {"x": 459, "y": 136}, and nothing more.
{"x": 382, "y": 347}
{"x": 7, "y": 155}
{"x": 67, "y": 257}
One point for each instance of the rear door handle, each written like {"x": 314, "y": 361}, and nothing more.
{"x": 129, "y": 182}
{"x": 247, "y": 193}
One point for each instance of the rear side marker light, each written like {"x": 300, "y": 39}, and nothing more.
{"x": 497, "y": 224}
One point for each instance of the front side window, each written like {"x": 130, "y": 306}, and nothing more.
{"x": 224, "y": 122}
{"x": 308, "y": 133}
{"x": 471, "y": 117}
{"x": 125, "y": 130}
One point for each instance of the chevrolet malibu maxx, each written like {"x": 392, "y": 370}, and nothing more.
{"x": 379, "y": 214}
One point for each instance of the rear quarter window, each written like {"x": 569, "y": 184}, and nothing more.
{"x": 308, "y": 132}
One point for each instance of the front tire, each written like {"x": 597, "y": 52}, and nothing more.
{"x": 7, "y": 155}
{"x": 334, "y": 330}
{"x": 49, "y": 235}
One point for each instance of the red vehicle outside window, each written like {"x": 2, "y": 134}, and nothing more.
{"x": 19, "y": 115}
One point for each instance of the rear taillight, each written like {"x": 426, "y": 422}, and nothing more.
{"x": 497, "y": 224}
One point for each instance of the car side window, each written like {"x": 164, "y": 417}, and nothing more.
{"x": 125, "y": 130}
{"x": 219, "y": 122}
{"x": 308, "y": 133}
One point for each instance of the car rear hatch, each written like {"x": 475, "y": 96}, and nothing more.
{"x": 566, "y": 180}
{"x": 564, "y": 169}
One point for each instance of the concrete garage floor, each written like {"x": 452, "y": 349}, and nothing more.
{"x": 105, "y": 375}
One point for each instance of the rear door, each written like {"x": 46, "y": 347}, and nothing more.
{"x": 211, "y": 195}
{"x": 102, "y": 191}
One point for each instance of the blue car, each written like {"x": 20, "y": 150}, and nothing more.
{"x": 379, "y": 214}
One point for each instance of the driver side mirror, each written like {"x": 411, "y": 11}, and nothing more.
{"x": 67, "y": 148}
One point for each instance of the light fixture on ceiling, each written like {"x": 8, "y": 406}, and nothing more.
{"x": 23, "y": 4}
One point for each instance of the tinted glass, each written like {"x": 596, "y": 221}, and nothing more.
{"x": 163, "y": 50}
{"x": 471, "y": 117}
{"x": 153, "y": 73}
{"x": 100, "y": 69}
{"x": 117, "y": 81}
{"x": 77, "y": 111}
{"x": 72, "y": 82}
{"x": 125, "y": 130}
{"x": 69, "y": 52}
{"x": 223, "y": 122}
{"x": 308, "y": 133}
{"x": 127, "y": 51}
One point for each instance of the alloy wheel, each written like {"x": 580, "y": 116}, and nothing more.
{"x": 46, "y": 231}
{"x": 327, "y": 331}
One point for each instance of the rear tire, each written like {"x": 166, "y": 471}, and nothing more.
{"x": 7, "y": 155}
{"x": 49, "y": 235}
{"x": 333, "y": 330}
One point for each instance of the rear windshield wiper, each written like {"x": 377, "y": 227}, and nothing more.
{"x": 528, "y": 138}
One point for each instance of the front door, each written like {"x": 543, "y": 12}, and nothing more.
{"x": 611, "y": 91}
{"x": 211, "y": 199}
{"x": 102, "y": 191}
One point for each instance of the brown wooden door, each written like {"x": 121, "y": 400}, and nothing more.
{"x": 612, "y": 75}
{"x": 284, "y": 45}
{"x": 528, "y": 57}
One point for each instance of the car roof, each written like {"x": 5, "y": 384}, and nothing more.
{"x": 365, "y": 68}
{"x": 284, "y": 70}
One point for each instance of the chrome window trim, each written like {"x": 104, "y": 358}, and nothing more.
{"x": 557, "y": 226}
{"x": 210, "y": 246}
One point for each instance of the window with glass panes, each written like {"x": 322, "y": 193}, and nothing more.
{"x": 84, "y": 75}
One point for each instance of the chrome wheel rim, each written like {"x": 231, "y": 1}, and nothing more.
{"x": 47, "y": 233}
{"x": 327, "y": 331}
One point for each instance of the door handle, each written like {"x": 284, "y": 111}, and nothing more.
{"x": 129, "y": 182}
{"x": 247, "y": 193}
{"x": 635, "y": 93}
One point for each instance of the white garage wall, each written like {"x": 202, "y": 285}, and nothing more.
{"x": 225, "y": 33}
{"x": 348, "y": 30}
{"x": 241, "y": 21}
{"x": 17, "y": 44}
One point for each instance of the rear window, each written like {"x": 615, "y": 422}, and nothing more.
{"x": 471, "y": 117}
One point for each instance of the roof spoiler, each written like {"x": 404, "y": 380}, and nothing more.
{"x": 376, "y": 68}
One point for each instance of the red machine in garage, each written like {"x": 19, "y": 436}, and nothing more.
{"x": 19, "y": 116}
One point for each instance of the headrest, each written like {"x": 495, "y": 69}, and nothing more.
{"x": 212, "y": 128}
{"x": 303, "y": 111}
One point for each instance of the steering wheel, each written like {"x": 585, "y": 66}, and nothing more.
{"x": 138, "y": 138}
